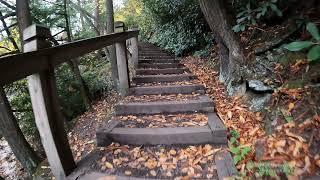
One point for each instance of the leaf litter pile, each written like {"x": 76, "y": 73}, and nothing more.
{"x": 163, "y": 162}
{"x": 292, "y": 148}
{"x": 163, "y": 120}
{"x": 169, "y": 97}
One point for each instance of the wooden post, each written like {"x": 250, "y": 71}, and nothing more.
{"x": 122, "y": 62}
{"x": 46, "y": 108}
{"x": 135, "y": 51}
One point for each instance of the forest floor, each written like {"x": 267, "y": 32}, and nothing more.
{"x": 286, "y": 145}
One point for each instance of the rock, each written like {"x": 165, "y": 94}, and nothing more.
{"x": 259, "y": 86}
{"x": 258, "y": 101}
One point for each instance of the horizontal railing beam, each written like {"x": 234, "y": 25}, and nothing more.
{"x": 15, "y": 67}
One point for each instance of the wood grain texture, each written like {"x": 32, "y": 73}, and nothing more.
{"x": 21, "y": 65}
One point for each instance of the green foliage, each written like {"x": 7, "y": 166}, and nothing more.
{"x": 254, "y": 11}
{"x": 313, "y": 45}
{"x": 239, "y": 152}
{"x": 177, "y": 26}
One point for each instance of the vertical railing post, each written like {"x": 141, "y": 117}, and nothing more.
{"x": 122, "y": 62}
{"x": 135, "y": 51}
{"x": 46, "y": 107}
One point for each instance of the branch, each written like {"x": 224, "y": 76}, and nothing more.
{"x": 76, "y": 6}
{"x": 8, "y": 5}
{"x": 9, "y": 53}
{"x": 8, "y": 15}
{"x": 14, "y": 24}
{"x": 2, "y": 47}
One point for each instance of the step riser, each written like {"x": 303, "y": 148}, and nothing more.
{"x": 149, "y": 108}
{"x": 168, "y": 90}
{"x": 159, "y": 61}
{"x": 163, "y": 136}
{"x": 156, "y": 57}
{"x": 160, "y": 66}
{"x": 139, "y": 80}
{"x": 160, "y": 71}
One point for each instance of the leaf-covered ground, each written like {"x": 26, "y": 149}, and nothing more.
{"x": 292, "y": 148}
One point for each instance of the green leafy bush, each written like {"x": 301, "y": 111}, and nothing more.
{"x": 239, "y": 152}
{"x": 313, "y": 45}
{"x": 177, "y": 26}
{"x": 253, "y": 11}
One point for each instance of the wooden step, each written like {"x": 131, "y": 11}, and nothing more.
{"x": 164, "y": 136}
{"x": 161, "y": 71}
{"x": 163, "y": 78}
{"x": 156, "y": 57}
{"x": 160, "y": 65}
{"x": 173, "y": 89}
{"x": 158, "y": 60}
{"x": 164, "y": 106}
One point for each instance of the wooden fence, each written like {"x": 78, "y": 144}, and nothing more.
{"x": 38, "y": 63}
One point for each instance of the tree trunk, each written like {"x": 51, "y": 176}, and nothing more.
{"x": 74, "y": 65}
{"x": 23, "y": 16}
{"x": 111, "y": 49}
{"x": 230, "y": 51}
{"x": 13, "y": 134}
{"x": 97, "y": 16}
{"x": 81, "y": 15}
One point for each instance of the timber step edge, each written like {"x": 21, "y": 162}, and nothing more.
{"x": 159, "y": 61}
{"x": 163, "y": 78}
{"x": 158, "y": 107}
{"x": 156, "y": 57}
{"x": 169, "y": 89}
{"x": 161, "y": 71}
{"x": 160, "y": 65}
{"x": 163, "y": 136}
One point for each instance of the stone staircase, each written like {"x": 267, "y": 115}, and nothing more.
{"x": 164, "y": 88}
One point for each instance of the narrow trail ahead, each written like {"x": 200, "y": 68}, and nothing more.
{"x": 166, "y": 128}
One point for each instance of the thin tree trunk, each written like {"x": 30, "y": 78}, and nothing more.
{"x": 13, "y": 134}
{"x": 23, "y": 17}
{"x": 231, "y": 53}
{"x": 111, "y": 49}
{"x": 4, "y": 24}
{"x": 81, "y": 15}
{"x": 74, "y": 65}
{"x": 97, "y": 16}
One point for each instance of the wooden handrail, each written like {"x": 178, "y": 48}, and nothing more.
{"x": 15, "y": 67}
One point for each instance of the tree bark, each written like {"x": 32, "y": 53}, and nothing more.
{"x": 23, "y": 16}
{"x": 97, "y": 16}
{"x": 111, "y": 49}
{"x": 74, "y": 65}
{"x": 231, "y": 53}
{"x": 13, "y": 134}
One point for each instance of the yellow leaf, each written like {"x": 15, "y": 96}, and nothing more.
{"x": 108, "y": 165}
{"x": 229, "y": 114}
{"x": 241, "y": 119}
{"x": 280, "y": 143}
{"x": 173, "y": 152}
{"x": 290, "y": 106}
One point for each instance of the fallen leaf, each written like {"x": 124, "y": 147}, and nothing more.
{"x": 108, "y": 165}
{"x": 291, "y": 106}
{"x": 153, "y": 173}
{"x": 229, "y": 114}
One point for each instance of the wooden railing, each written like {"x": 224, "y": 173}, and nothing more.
{"x": 38, "y": 63}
